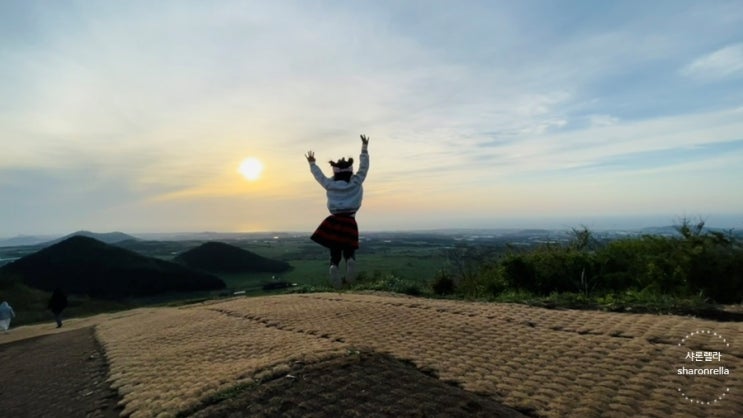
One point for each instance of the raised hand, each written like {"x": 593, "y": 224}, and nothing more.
{"x": 364, "y": 139}
{"x": 310, "y": 156}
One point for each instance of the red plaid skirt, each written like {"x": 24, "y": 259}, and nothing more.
{"x": 337, "y": 231}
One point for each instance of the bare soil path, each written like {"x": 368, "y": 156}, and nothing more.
{"x": 59, "y": 375}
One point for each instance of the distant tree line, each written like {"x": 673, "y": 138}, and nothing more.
{"x": 696, "y": 262}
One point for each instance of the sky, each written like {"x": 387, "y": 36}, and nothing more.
{"x": 135, "y": 116}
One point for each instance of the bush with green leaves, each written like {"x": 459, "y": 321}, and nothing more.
{"x": 387, "y": 282}
{"x": 552, "y": 269}
{"x": 695, "y": 263}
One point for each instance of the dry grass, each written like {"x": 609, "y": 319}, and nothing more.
{"x": 560, "y": 363}
{"x": 167, "y": 361}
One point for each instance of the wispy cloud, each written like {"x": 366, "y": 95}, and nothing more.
{"x": 723, "y": 63}
{"x": 161, "y": 101}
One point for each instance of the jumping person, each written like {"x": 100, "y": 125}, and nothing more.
{"x": 339, "y": 231}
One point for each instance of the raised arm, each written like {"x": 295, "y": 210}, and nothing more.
{"x": 364, "y": 160}
{"x": 316, "y": 171}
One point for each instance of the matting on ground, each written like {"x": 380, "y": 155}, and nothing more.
{"x": 555, "y": 362}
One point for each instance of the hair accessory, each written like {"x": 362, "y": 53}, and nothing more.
{"x": 343, "y": 170}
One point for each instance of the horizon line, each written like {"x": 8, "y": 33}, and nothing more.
{"x": 370, "y": 230}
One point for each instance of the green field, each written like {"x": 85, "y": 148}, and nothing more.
{"x": 413, "y": 260}
{"x": 415, "y": 266}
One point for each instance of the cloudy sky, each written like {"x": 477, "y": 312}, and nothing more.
{"x": 135, "y": 115}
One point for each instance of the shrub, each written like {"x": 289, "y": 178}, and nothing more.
{"x": 697, "y": 262}
{"x": 552, "y": 269}
{"x": 387, "y": 282}
{"x": 443, "y": 284}
{"x": 519, "y": 273}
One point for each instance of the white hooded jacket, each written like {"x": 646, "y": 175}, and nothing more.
{"x": 344, "y": 197}
{"x": 6, "y": 311}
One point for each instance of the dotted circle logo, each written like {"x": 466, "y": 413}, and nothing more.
{"x": 705, "y": 356}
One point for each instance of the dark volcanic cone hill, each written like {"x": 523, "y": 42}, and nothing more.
{"x": 225, "y": 258}
{"x": 87, "y": 266}
{"x": 105, "y": 237}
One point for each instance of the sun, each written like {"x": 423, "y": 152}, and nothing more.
{"x": 251, "y": 168}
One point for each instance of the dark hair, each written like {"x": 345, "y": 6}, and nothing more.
{"x": 342, "y": 163}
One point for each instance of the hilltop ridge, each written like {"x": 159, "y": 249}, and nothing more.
{"x": 225, "y": 258}
{"x": 86, "y": 265}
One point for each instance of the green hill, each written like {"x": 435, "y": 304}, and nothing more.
{"x": 219, "y": 257}
{"x": 85, "y": 265}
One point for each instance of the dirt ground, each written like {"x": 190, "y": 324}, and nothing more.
{"x": 64, "y": 375}
{"x": 58, "y": 375}
{"x": 355, "y": 385}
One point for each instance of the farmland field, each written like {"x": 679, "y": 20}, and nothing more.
{"x": 408, "y": 257}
